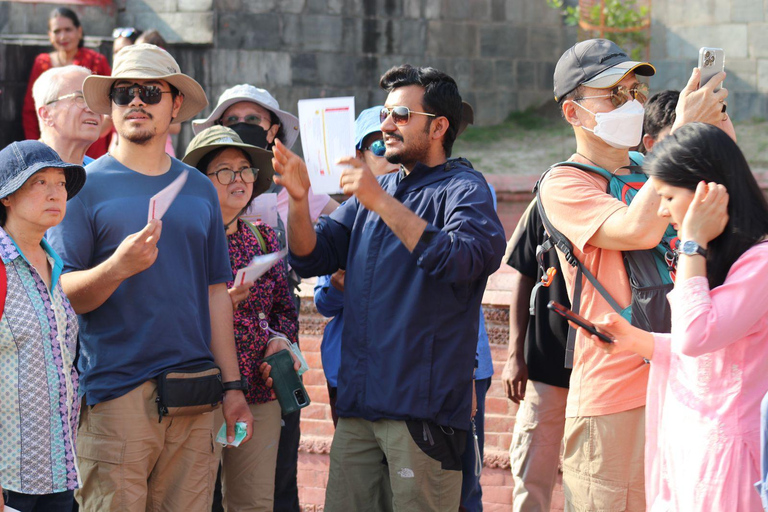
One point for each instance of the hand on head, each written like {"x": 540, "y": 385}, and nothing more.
{"x": 707, "y": 215}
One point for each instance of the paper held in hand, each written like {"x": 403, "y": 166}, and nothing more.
{"x": 258, "y": 266}
{"x": 160, "y": 202}
{"x": 327, "y": 134}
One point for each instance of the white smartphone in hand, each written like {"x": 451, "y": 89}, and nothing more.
{"x": 711, "y": 62}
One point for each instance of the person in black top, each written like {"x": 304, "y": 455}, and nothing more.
{"x": 534, "y": 376}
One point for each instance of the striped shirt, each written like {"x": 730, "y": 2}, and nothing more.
{"x": 39, "y": 406}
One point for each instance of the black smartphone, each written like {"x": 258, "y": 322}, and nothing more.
{"x": 288, "y": 387}
{"x": 578, "y": 320}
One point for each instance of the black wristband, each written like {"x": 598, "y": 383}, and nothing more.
{"x": 237, "y": 385}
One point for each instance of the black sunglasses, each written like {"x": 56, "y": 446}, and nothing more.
{"x": 149, "y": 94}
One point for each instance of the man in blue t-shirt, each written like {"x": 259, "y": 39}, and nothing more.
{"x": 148, "y": 304}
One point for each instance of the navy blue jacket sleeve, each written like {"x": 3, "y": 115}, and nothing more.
{"x": 328, "y": 300}
{"x": 471, "y": 242}
{"x": 330, "y": 252}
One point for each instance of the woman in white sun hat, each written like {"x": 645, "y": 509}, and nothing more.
{"x": 256, "y": 117}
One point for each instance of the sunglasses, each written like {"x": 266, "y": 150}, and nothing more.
{"x": 249, "y": 119}
{"x": 77, "y": 98}
{"x": 227, "y": 176}
{"x": 377, "y": 147}
{"x": 400, "y": 115}
{"x": 123, "y": 32}
{"x": 149, "y": 94}
{"x": 620, "y": 94}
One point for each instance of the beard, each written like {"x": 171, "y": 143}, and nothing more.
{"x": 408, "y": 154}
{"x": 139, "y": 136}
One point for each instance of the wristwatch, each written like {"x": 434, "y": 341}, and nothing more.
{"x": 691, "y": 248}
{"x": 238, "y": 385}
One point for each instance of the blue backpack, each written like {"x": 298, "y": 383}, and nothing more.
{"x": 650, "y": 272}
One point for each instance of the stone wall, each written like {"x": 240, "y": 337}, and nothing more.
{"x": 740, "y": 27}
{"x": 501, "y": 52}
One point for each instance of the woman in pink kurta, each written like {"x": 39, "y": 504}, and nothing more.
{"x": 710, "y": 374}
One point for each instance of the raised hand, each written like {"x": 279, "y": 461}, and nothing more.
{"x": 290, "y": 171}
{"x": 701, "y": 104}
{"x": 358, "y": 180}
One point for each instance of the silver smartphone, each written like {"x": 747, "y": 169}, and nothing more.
{"x": 711, "y": 62}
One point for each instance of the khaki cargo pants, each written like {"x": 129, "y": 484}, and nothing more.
{"x": 130, "y": 461}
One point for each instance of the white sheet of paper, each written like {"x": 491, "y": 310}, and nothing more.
{"x": 327, "y": 134}
{"x": 160, "y": 202}
{"x": 263, "y": 209}
{"x": 10, "y": 509}
{"x": 258, "y": 266}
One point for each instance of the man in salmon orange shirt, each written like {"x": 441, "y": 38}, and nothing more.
{"x": 597, "y": 87}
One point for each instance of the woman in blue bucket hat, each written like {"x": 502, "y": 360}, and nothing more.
{"x": 38, "y": 333}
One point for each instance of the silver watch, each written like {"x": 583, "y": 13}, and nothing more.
{"x": 691, "y": 248}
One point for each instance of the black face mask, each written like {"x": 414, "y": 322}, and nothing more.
{"x": 252, "y": 134}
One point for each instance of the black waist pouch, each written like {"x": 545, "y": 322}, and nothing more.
{"x": 189, "y": 391}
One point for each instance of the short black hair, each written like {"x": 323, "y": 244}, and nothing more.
{"x": 64, "y": 12}
{"x": 660, "y": 112}
{"x": 571, "y": 95}
{"x": 441, "y": 95}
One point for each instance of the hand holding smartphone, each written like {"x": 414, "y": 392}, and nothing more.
{"x": 578, "y": 320}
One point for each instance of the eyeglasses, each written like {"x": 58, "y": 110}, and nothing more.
{"x": 227, "y": 176}
{"x": 400, "y": 115}
{"x": 377, "y": 147}
{"x": 123, "y": 32}
{"x": 149, "y": 94}
{"x": 620, "y": 94}
{"x": 249, "y": 119}
{"x": 77, "y": 98}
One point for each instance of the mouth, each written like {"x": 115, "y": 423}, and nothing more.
{"x": 675, "y": 226}
{"x": 91, "y": 122}
{"x": 238, "y": 192}
{"x": 392, "y": 139}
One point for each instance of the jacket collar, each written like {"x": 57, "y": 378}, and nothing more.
{"x": 422, "y": 175}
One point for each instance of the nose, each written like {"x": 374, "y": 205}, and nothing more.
{"x": 387, "y": 125}
{"x": 662, "y": 212}
{"x": 136, "y": 97}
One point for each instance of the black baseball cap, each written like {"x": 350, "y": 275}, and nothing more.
{"x": 597, "y": 63}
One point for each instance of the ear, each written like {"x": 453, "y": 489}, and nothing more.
{"x": 177, "y": 105}
{"x": 570, "y": 114}
{"x": 272, "y": 133}
{"x": 648, "y": 142}
{"x": 45, "y": 116}
{"x": 439, "y": 127}
{"x": 6, "y": 201}
{"x": 359, "y": 154}
{"x": 80, "y": 32}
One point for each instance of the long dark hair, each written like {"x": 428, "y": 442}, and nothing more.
{"x": 702, "y": 152}
{"x": 64, "y": 12}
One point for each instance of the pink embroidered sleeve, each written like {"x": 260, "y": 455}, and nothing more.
{"x": 705, "y": 320}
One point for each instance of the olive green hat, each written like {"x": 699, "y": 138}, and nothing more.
{"x": 217, "y": 137}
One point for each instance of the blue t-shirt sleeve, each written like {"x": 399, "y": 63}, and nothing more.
{"x": 219, "y": 269}
{"x": 72, "y": 239}
{"x": 328, "y": 300}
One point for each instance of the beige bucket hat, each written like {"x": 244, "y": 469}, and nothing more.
{"x": 217, "y": 137}
{"x": 145, "y": 62}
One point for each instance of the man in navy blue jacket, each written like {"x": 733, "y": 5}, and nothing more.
{"x": 418, "y": 246}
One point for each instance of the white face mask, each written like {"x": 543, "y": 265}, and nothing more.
{"x": 621, "y": 128}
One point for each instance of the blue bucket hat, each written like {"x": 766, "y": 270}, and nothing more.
{"x": 367, "y": 122}
{"x": 20, "y": 160}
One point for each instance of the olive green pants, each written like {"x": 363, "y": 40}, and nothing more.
{"x": 378, "y": 466}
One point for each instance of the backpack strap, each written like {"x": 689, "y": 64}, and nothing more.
{"x": 561, "y": 242}
{"x": 257, "y": 234}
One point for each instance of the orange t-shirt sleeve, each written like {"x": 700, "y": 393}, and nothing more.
{"x": 577, "y": 204}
